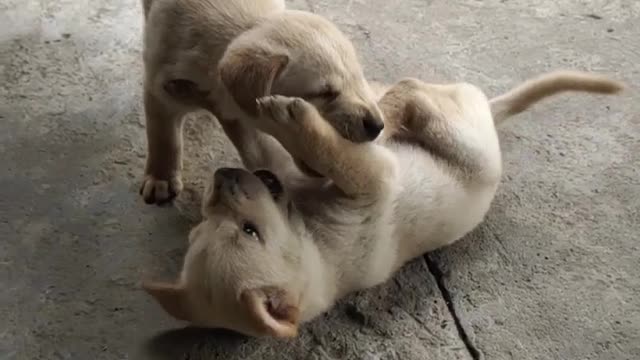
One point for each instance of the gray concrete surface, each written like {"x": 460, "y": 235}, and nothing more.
{"x": 551, "y": 274}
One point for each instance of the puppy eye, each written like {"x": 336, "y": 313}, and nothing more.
{"x": 251, "y": 230}
{"x": 329, "y": 93}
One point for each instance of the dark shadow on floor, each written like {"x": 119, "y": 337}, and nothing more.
{"x": 185, "y": 342}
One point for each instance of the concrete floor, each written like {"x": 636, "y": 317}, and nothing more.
{"x": 553, "y": 273}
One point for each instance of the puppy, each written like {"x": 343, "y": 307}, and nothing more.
{"x": 268, "y": 257}
{"x": 222, "y": 55}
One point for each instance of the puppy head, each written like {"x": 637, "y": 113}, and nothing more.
{"x": 242, "y": 269}
{"x": 303, "y": 55}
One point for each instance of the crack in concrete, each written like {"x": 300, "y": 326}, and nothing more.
{"x": 437, "y": 273}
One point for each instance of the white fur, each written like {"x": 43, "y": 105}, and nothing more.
{"x": 426, "y": 183}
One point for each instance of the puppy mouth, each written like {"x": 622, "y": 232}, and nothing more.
{"x": 271, "y": 181}
{"x": 237, "y": 184}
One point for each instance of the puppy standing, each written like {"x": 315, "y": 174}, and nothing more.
{"x": 267, "y": 257}
{"x": 222, "y": 55}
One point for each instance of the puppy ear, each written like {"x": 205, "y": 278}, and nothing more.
{"x": 172, "y": 298}
{"x": 248, "y": 74}
{"x": 274, "y": 311}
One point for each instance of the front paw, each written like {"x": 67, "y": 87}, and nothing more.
{"x": 284, "y": 110}
{"x": 160, "y": 191}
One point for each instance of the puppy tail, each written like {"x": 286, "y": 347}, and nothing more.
{"x": 531, "y": 91}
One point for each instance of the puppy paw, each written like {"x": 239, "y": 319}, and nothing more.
{"x": 283, "y": 109}
{"x": 160, "y": 191}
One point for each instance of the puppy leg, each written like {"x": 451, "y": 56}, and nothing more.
{"x": 359, "y": 170}
{"x": 451, "y": 122}
{"x": 162, "y": 180}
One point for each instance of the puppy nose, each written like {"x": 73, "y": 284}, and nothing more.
{"x": 372, "y": 126}
{"x": 227, "y": 174}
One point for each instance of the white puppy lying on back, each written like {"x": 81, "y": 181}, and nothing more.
{"x": 270, "y": 255}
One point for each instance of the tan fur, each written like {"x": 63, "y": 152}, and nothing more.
{"x": 268, "y": 258}
{"x": 221, "y": 56}
{"x": 249, "y": 76}
{"x": 532, "y": 91}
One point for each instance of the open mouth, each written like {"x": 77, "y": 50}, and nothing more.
{"x": 271, "y": 181}
{"x": 237, "y": 182}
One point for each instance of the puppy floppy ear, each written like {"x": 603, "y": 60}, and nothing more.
{"x": 172, "y": 298}
{"x": 248, "y": 74}
{"x": 273, "y": 310}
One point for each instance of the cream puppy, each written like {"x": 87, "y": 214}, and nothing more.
{"x": 222, "y": 55}
{"x": 269, "y": 256}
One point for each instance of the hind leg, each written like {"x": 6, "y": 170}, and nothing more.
{"x": 451, "y": 122}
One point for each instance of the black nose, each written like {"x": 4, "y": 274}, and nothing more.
{"x": 372, "y": 126}
{"x": 226, "y": 174}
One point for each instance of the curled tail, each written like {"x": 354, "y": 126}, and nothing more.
{"x": 531, "y": 91}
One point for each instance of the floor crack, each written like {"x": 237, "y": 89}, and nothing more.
{"x": 437, "y": 273}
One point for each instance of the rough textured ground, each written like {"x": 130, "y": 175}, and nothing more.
{"x": 551, "y": 274}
